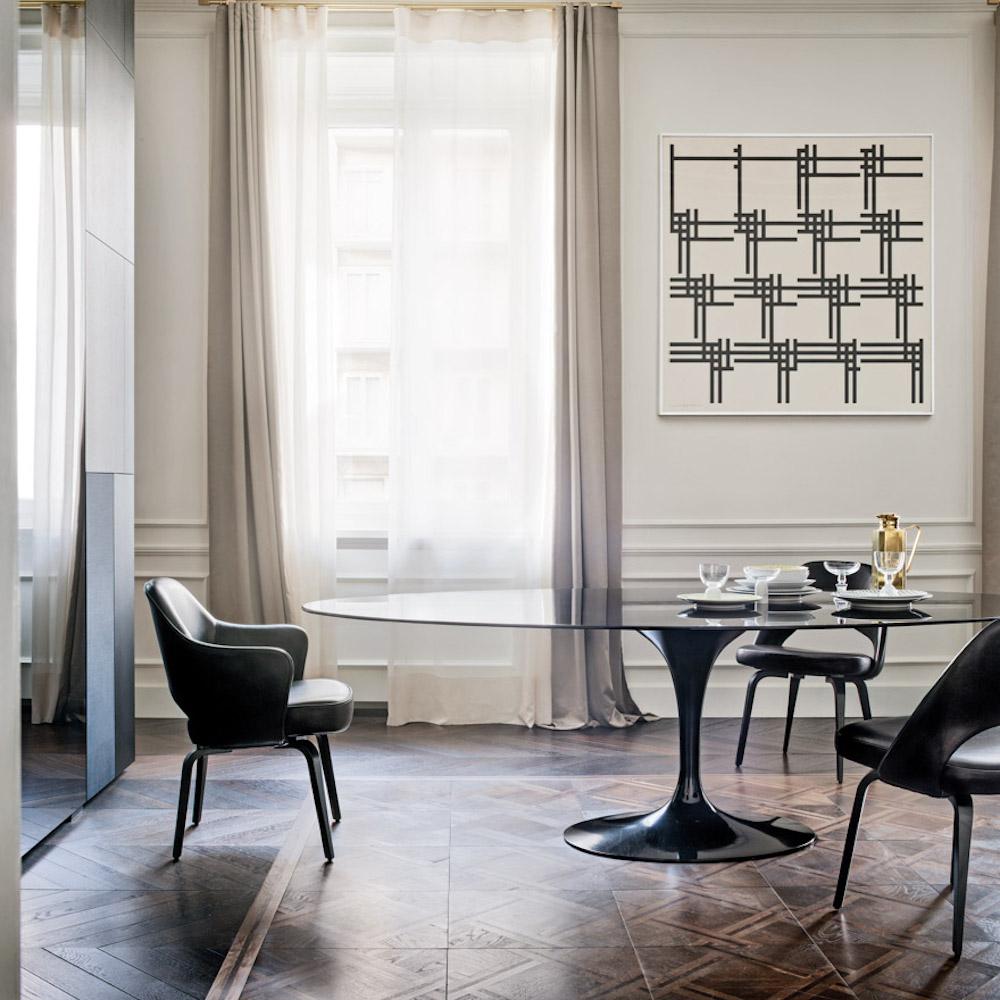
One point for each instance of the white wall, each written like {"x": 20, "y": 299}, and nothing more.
{"x": 694, "y": 487}
{"x": 794, "y": 487}
{"x": 171, "y": 182}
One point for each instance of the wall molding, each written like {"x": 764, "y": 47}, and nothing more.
{"x": 783, "y": 523}
{"x": 783, "y": 548}
{"x": 172, "y": 522}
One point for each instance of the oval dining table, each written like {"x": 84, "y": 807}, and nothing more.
{"x": 687, "y": 828}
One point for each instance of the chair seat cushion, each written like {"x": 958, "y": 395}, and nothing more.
{"x": 811, "y": 662}
{"x": 318, "y": 705}
{"x": 866, "y": 742}
{"x": 974, "y": 768}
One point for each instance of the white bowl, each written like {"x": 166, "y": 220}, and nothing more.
{"x": 787, "y": 575}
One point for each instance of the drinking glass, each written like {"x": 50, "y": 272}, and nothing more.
{"x": 713, "y": 575}
{"x": 889, "y": 564}
{"x": 842, "y": 569}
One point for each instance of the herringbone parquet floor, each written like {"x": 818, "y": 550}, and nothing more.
{"x": 452, "y": 881}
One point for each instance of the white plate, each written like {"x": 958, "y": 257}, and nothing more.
{"x": 876, "y": 597}
{"x": 717, "y": 600}
{"x": 786, "y": 602}
{"x": 746, "y": 586}
{"x": 787, "y": 576}
{"x": 872, "y": 600}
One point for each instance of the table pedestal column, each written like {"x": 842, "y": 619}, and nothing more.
{"x": 689, "y": 828}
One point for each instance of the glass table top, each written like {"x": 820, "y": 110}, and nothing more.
{"x": 638, "y": 608}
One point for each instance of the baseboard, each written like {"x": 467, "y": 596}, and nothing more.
{"x": 724, "y": 698}
{"x": 371, "y": 710}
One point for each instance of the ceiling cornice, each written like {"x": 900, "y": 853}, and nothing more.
{"x": 725, "y": 7}
{"x": 751, "y": 7}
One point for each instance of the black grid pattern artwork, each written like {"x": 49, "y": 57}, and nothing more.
{"x": 795, "y": 274}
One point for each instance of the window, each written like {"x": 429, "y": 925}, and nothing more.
{"x": 472, "y": 220}
{"x": 361, "y": 160}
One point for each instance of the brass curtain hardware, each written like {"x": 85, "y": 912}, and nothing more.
{"x": 432, "y": 5}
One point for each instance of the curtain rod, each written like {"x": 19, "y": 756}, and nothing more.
{"x": 39, "y": 4}
{"x": 349, "y": 5}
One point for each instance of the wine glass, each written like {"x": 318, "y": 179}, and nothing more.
{"x": 713, "y": 576}
{"x": 889, "y": 564}
{"x": 842, "y": 569}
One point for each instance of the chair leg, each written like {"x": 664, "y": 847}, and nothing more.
{"x": 199, "y": 788}
{"x": 954, "y": 848}
{"x": 319, "y": 798}
{"x": 331, "y": 783}
{"x": 852, "y": 836}
{"x": 793, "y": 694}
{"x": 866, "y": 705}
{"x": 839, "y": 695}
{"x": 747, "y": 710}
{"x": 194, "y": 757}
{"x": 960, "y": 867}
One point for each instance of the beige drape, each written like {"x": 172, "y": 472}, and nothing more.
{"x": 247, "y": 581}
{"x": 588, "y": 677}
{"x": 59, "y": 364}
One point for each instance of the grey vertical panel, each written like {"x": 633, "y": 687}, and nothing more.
{"x": 128, "y": 371}
{"x": 110, "y": 364}
{"x": 109, "y": 152}
{"x": 110, "y": 18}
{"x": 129, "y": 57}
{"x": 124, "y": 619}
{"x": 110, "y": 138}
{"x": 100, "y": 563}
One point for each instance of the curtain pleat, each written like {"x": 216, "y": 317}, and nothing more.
{"x": 59, "y": 363}
{"x": 246, "y": 559}
{"x": 588, "y": 677}
{"x": 271, "y": 363}
{"x": 471, "y": 464}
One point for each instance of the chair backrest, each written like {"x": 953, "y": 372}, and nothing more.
{"x": 179, "y": 617}
{"x": 177, "y": 605}
{"x": 233, "y": 693}
{"x": 964, "y": 701}
{"x": 825, "y": 580}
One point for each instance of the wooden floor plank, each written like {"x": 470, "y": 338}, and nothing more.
{"x": 243, "y": 952}
{"x": 451, "y": 878}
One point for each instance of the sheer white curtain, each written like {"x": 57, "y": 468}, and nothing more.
{"x": 59, "y": 357}
{"x": 471, "y": 468}
{"x": 298, "y": 162}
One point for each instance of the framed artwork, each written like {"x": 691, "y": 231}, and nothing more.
{"x": 795, "y": 274}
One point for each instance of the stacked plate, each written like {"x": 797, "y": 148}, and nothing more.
{"x": 718, "y": 600}
{"x": 875, "y": 600}
{"x": 779, "y": 594}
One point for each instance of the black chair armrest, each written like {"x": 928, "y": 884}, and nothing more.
{"x": 292, "y": 639}
{"x": 234, "y": 696}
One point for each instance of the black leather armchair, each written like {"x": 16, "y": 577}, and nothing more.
{"x": 772, "y": 658}
{"x": 241, "y": 686}
{"x": 948, "y": 748}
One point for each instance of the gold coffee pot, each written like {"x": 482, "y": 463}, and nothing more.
{"x": 889, "y": 536}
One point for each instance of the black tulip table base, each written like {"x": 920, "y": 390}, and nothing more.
{"x": 689, "y": 828}
{"x": 692, "y": 832}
